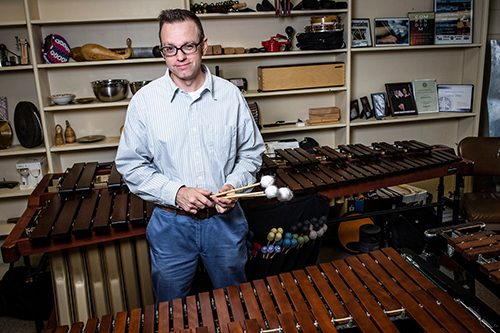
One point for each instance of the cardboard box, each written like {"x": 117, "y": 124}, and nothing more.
{"x": 31, "y": 171}
{"x": 274, "y": 78}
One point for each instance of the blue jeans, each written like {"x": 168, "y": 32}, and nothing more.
{"x": 177, "y": 241}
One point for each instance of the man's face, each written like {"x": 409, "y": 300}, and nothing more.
{"x": 183, "y": 67}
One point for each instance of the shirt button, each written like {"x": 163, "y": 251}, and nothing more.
{"x": 194, "y": 129}
{"x": 200, "y": 177}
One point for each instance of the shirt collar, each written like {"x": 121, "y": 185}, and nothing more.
{"x": 173, "y": 89}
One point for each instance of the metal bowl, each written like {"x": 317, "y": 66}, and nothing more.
{"x": 111, "y": 90}
{"x": 136, "y": 85}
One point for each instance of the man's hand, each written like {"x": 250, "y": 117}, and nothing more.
{"x": 192, "y": 199}
{"x": 223, "y": 204}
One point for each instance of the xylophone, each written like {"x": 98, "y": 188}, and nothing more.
{"x": 375, "y": 292}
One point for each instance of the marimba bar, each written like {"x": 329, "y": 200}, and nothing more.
{"x": 375, "y": 292}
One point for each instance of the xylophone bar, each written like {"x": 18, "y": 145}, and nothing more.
{"x": 375, "y": 292}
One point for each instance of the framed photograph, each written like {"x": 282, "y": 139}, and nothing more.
{"x": 425, "y": 94}
{"x": 379, "y": 101}
{"x": 367, "y": 110}
{"x": 453, "y": 21}
{"x": 400, "y": 97}
{"x": 422, "y": 28}
{"x": 455, "y": 97}
{"x": 360, "y": 33}
{"x": 392, "y": 31}
{"x": 354, "y": 112}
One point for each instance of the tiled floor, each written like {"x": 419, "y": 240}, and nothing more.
{"x": 328, "y": 252}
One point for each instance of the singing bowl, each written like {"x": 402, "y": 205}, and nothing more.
{"x": 136, "y": 85}
{"x": 111, "y": 90}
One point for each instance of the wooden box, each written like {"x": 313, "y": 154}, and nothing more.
{"x": 301, "y": 76}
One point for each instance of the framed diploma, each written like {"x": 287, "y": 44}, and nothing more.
{"x": 453, "y": 21}
{"x": 455, "y": 97}
{"x": 425, "y": 93}
{"x": 360, "y": 33}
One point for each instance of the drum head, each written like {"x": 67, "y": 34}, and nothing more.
{"x": 28, "y": 125}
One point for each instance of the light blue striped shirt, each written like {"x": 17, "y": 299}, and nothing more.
{"x": 169, "y": 140}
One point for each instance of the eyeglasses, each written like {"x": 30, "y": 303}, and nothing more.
{"x": 189, "y": 48}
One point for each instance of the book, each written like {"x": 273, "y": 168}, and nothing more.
{"x": 422, "y": 28}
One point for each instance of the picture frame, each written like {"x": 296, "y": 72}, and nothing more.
{"x": 400, "y": 96}
{"x": 367, "y": 110}
{"x": 379, "y": 102}
{"x": 392, "y": 31}
{"x": 455, "y": 97}
{"x": 361, "y": 33}
{"x": 354, "y": 110}
{"x": 454, "y": 21}
{"x": 422, "y": 28}
{"x": 425, "y": 95}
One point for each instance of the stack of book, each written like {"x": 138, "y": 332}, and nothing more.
{"x": 324, "y": 116}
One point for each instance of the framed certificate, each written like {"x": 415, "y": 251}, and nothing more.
{"x": 455, "y": 97}
{"x": 360, "y": 33}
{"x": 425, "y": 93}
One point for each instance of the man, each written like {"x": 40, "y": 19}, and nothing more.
{"x": 187, "y": 135}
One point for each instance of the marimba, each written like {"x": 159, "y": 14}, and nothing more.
{"x": 77, "y": 209}
{"x": 376, "y": 292}
{"x": 82, "y": 212}
{"x": 475, "y": 250}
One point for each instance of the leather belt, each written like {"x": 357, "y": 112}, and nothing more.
{"x": 201, "y": 215}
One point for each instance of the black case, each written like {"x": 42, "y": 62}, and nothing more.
{"x": 325, "y": 40}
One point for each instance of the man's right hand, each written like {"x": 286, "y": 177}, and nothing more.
{"x": 192, "y": 199}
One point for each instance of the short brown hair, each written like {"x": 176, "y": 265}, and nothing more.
{"x": 179, "y": 15}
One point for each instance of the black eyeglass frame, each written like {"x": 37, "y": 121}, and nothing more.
{"x": 180, "y": 48}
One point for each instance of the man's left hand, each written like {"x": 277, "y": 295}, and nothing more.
{"x": 223, "y": 204}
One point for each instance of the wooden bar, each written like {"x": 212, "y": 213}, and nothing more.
{"x": 149, "y": 319}
{"x": 222, "y": 310}
{"x": 163, "y": 317}
{"x": 251, "y": 304}
{"x": 192, "y": 312}
{"x": 177, "y": 314}
{"x": 135, "y": 321}
{"x": 101, "y": 219}
{"x": 120, "y": 205}
{"x": 83, "y": 221}
{"x": 266, "y": 303}
{"x": 69, "y": 183}
{"x": 62, "y": 226}
{"x": 86, "y": 180}
{"x": 46, "y": 220}
{"x": 120, "y": 322}
{"x": 235, "y": 302}
{"x": 206, "y": 311}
